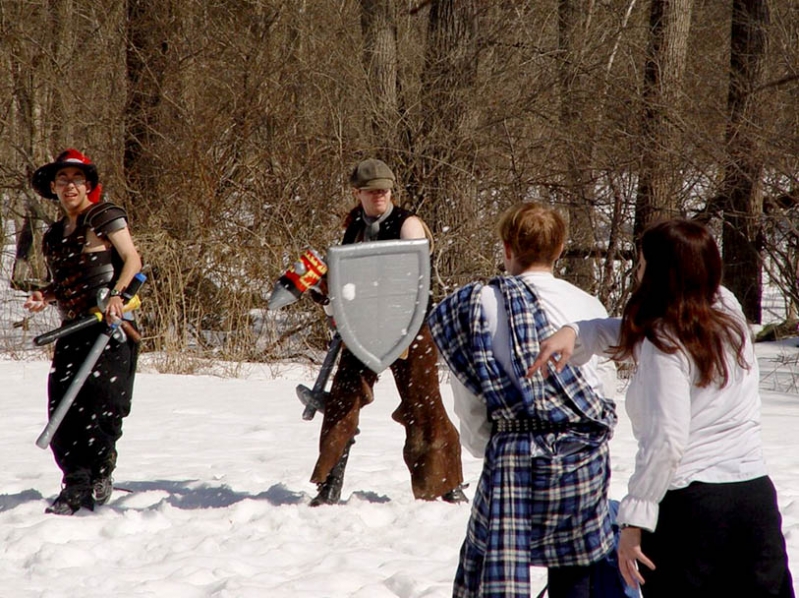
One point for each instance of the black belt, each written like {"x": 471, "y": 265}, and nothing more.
{"x": 528, "y": 425}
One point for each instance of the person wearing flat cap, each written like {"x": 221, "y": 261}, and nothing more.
{"x": 89, "y": 254}
{"x": 432, "y": 449}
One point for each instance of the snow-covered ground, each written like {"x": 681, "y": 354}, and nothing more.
{"x": 217, "y": 470}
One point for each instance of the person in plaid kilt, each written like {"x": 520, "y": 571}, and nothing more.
{"x": 542, "y": 495}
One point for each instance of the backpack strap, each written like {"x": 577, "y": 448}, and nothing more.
{"x": 428, "y": 234}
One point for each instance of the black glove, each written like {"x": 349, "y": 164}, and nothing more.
{"x": 318, "y": 297}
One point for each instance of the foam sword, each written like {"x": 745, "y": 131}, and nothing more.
{"x": 85, "y": 370}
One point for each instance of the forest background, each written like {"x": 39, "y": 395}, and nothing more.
{"x": 227, "y": 129}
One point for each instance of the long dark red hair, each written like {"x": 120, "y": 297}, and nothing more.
{"x": 673, "y": 305}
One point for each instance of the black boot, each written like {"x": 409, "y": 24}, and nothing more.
{"x": 76, "y": 493}
{"x": 102, "y": 490}
{"x": 103, "y": 482}
{"x": 455, "y": 495}
{"x": 330, "y": 490}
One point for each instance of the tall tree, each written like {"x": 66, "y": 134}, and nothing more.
{"x": 31, "y": 41}
{"x": 379, "y": 27}
{"x": 147, "y": 45}
{"x": 444, "y": 169}
{"x": 575, "y": 100}
{"x": 659, "y": 171}
{"x": 740, "y": 192}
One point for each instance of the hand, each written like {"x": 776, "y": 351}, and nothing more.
{"x": 318, "y": 297}
{"x": 36, "y": 302}
{"x": 558, "y": 349}
{"x": 113, "y": 309}
{"x": 629, "y": 553}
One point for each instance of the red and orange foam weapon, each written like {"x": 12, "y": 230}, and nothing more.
{"x": 306, "y": 273}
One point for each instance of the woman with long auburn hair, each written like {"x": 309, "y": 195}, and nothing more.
{"x": 700, "y": 517}
{"x": 673, "y": 305}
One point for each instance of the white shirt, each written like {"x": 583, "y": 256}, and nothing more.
{"x": 685, "y": 433}
{"x": 562, "y": 302}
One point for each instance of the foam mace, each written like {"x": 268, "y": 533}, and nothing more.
{"x": 306, "y": 273}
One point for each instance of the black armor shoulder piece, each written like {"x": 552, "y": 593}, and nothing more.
{"x": 104, "y": 218}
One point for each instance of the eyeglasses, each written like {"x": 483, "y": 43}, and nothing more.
{"x": 63, "y": 181}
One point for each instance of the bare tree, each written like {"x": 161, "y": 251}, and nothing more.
{"x": 35, "y": 51}
{"x": 442, "y": 183}
{"x": 147, "y": 45}
{"x": 580, "y": 185}
{"x": 659, "y": 177}
{"x": 379, "y": 26}
{"x": 740, "y": 190}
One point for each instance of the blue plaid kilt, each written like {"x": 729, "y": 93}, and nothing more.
{"x": 542, "y": 496}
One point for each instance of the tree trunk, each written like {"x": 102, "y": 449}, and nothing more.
{"x": 379, "y": 27}
{"x": 740, "y": 189}
{"x": 146, "y": 66}
{"x": 445, "y": 191}
{"x": 579, "y": 190}
{"x": 34, "y": 72}
{"x": 659, "y": 173}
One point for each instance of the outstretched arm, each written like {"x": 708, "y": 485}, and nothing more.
{"x": 578, "y": 342}
{"x": 556, "y": 349}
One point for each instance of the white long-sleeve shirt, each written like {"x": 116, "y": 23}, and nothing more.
{"x": 562, "y": 302}
{"x": 685, "y": 433}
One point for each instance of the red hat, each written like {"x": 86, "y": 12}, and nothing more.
{"x": 45, "y": 175}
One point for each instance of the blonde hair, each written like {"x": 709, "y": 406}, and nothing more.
{"x": 534, "y": 232}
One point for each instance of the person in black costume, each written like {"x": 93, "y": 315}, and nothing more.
{"x": 432, "y": 449}
{"x": 89, "y": 250}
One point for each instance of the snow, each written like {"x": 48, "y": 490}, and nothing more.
{"x": 218, "y": 467}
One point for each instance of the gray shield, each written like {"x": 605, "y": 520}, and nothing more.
{"x": 379, "y": 293}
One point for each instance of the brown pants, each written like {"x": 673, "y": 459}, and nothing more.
{"x": 432, "y": 449}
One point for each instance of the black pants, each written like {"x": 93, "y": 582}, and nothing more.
{"x": 718, "y": 540}
{"x": 598, "y": 580}
{"x": 570, "y": 582}
{"x": 84, "y": 446}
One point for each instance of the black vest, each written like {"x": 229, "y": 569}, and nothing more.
{"x": 390, "y": 228}
{"x": 77, "y": 276}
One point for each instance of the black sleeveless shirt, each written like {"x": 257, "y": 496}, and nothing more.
{"x": 390, "y": 228}
{"x": 77, "y": 276}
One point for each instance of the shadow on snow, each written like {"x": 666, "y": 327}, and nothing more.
{"x": 12, "y": 501}
{"x": 189, "y": 495}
